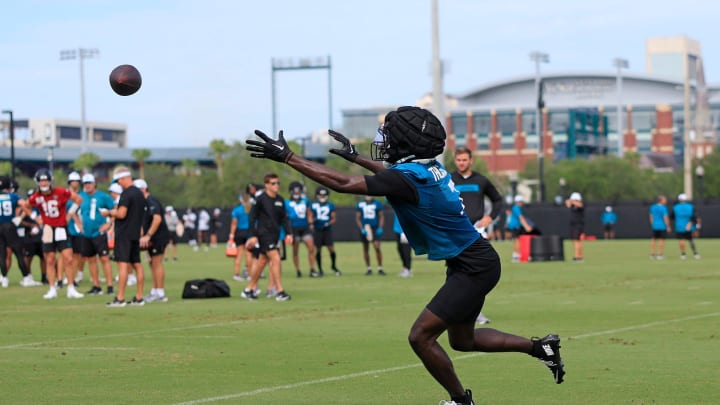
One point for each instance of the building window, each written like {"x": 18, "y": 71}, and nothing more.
{"x": 459, "y": 125}
{"x": 643, "y": 120}
{"x": 69, "y": 132}
{"x": 559, "y": 122}
{"x": 507, "y": 128}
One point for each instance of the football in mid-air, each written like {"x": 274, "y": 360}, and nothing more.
{"x": 125, "y": 80}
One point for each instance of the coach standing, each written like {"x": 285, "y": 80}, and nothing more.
{"x": 128, "y": 215}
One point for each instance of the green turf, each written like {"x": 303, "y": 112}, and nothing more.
{"x": 634, "y": 331}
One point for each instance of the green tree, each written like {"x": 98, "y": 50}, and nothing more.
{"x": 219, "y": 148}
{"x": 85, "y": 162}
{"x": 141, "y": 156}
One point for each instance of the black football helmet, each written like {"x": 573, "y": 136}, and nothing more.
{"x": 408, "y": 133}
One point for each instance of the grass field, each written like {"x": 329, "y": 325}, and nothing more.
{"x": 634, "y": 331}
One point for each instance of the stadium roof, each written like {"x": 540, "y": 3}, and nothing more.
{"x": 201, "y": 155}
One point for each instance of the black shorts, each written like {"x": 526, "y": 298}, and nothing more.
{"x": 9, "y": 235}
{"x": 301, "y": 233}
{"x": 97, "y": 246}
{"x": 157, "y": 247}
{"x": 609, "y": 227}
{"x": 77, "y": 243}
{"x": 516, "y": 232}
{"x": 659, "y": 234}
{"x": 241, "y": 236}
{"x": 324, "y": 237}
{"x": 31, "y": 249}
{"x": 577, "y": 231}
{"x": 265, "y": 244}
{"x": 173, "y": 237}
{"x": 470, "y": 276}
{"x": 127, "y": 251}
{"x": 684, "y": 235}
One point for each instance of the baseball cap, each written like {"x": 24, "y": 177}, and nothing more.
{"x": 169, "y": 208}
{"x": 73, "y": 176}
{"x": 519, "y": 198}
{"x": 88, "y": 178}
{"x": 683, "y": 197}
{"x": 140, "y": 183}
{"x": 116, "y": 188}
{"x": 576, "y": 196}
{"x": 608, "y": 208}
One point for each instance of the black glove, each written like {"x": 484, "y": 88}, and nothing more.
{"x": 278, "y": 151}
{"x": 348, "y": 151}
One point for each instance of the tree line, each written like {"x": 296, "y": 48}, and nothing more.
{"x": 602, "y": 178}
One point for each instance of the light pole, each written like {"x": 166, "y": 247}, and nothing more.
{"x": 12, "y": 143}
{"x": 538, "y": 58}
{"x": 437, "y": 72}
{"x": 687, "y": 148}
{"x": 620, "y": 64}
{"x": 81, "y": 54}
{"x": 699, "y": 173}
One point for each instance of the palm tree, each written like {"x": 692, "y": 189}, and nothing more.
{"x": 140, "y": 156}
{"x": 218, "y": 148}
{"x": 85, "y": 162}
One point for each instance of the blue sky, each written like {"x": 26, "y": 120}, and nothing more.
{"x": 206, "y": 64}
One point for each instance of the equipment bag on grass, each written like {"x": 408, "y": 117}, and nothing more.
{"x": 206, "y": 288}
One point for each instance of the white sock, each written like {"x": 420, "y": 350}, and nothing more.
{"x": 160, "y": 292}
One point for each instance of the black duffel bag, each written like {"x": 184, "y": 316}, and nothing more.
{"x": 206, "y": 288}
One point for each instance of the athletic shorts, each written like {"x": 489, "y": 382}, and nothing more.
{"x": 684, "y": 235}
{"x": 77, "y": 243}
{"x": 241, "y": 236}
{"x": 265, "y": 244}
{"x": 470, "y": 276}
{"x": 126, "y": 251}
{"x": 97, "y": 246}
{"x": 659, "y": 234}
{"x": 157, "y": 247}
{"x": 31, "y": 249}
{"x": 9, "y": 235}
{"x": 324, "y": 237}
{"x": 516, "y": 232}
{"x": 577, "y": 231}
{"x": 55, "y": 239}
{"x": 300, "y": 234}
{"x": 609, "y": 227}
{"x": 174, "y": 238}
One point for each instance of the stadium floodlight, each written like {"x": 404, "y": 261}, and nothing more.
{"x": 538, "y": 58}
{"x": 81, "y": 54}
{"x": 620, "y": 64}
{"x": 12, "y": 143}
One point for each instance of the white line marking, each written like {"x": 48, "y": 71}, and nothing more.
{"x": 408, "y": 366}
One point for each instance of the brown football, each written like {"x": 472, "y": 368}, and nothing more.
{"x": 125, "y": 80}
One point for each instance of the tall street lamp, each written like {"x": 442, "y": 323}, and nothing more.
{"x": 620, "y": 64}
{"x": 538, "y": 58}
{"x": 12, "y": 143}
{"x": 81, "y": 54}
{"x": 699, "y": 174}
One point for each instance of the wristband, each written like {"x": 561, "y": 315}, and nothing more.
{"x": 73, "y": 208}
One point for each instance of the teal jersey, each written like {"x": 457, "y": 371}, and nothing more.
{"x": 437, "y": 225}
{"x": 322, "y": 213}
{"x": 658, "y": 212}
{"x": 369, "y": 212}
{"x": 684, "y": 214}
{"x": 8, "y": 206}
{"x": 297, "y": 212}
{"x": 514, "y": 221}
{"x": 90, "y": 214}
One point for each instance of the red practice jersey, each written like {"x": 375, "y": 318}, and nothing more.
{"x": 52, "y": 207}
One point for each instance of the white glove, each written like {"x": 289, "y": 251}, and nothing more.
{"x": 17, "y": 220}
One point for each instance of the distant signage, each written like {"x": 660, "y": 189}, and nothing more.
{"x": 580, "y": 88}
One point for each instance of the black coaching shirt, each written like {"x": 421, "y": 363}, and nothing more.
{"x": 473, "y": 191}
{"x": 128, "y": 228}
{"x": 268, "y": 215}
{"x": 155, "y": 208}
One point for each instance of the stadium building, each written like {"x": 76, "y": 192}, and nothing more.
{"x": 579, "y": 118}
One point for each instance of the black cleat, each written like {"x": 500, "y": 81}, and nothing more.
{"x": 550, "y": 356}
{"x": 467, "y": 401}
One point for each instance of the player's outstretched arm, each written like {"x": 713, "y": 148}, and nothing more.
{"x": 349, "y": 153}
{"x": 279, "y": 151}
